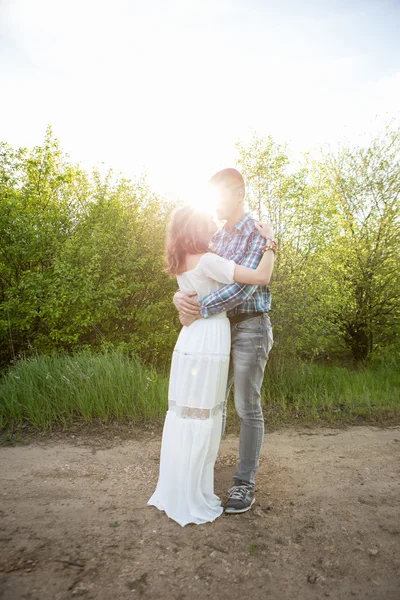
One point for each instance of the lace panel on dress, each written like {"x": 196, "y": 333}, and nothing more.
{"x": 194, "y": 412}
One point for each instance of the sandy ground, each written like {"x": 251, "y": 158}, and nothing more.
{"x": 326, "y": 522}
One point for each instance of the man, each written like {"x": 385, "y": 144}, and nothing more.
{"x": 251, "y": 332}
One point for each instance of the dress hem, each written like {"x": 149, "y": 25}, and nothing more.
{"x": 183, "y": 523}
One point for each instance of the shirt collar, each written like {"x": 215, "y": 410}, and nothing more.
{"x": 240, "y": 224}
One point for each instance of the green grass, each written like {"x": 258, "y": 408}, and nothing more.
{"x": 312, "y": 392}
{"x": 55, "y": 390}
{"x": 58, "y": 390}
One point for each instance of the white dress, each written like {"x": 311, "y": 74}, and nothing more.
{"x": 197, "y": 387}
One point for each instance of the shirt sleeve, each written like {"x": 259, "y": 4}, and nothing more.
{"x": 232, "y": 295}
{"x": 217, "y": 268}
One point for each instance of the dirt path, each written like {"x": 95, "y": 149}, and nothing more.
{"x": 326, "y": 522}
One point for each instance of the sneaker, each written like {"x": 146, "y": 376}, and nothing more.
{"x": 241, "y": 498}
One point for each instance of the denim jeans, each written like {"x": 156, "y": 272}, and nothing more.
{"x": 251, "y": 342}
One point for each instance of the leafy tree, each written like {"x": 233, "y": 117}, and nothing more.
{"x": 336, "y": 285}
{"x": 81, "y": 255}
{"x": 302, "y": 293}
{"x": 81, "y": 259}
{"x": 365, "y": 186}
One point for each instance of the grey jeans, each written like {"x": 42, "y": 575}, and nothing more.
{"x": 251, "y": 342}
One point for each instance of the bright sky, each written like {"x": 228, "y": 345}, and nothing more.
{"x": 170, "y": 86}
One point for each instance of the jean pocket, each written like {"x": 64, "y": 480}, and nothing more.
{"x": 269, "y": 334}
{"x": 253, "y": 324}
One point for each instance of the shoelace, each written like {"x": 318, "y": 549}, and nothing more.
{"x": 238, "y": 492}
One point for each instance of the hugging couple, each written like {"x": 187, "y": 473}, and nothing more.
{"x": 225, "y": 339}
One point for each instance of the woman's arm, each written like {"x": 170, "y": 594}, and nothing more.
{"x": 262, "y": 274}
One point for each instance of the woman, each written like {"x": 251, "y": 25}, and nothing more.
{"x": 199, "y": 371}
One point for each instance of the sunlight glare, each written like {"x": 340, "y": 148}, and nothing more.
{"x": 203, "y": 198}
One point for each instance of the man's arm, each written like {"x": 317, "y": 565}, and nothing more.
{"x": 233, "y": 294}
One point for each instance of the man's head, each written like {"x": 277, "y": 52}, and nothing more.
{"x": 230, "y": 192}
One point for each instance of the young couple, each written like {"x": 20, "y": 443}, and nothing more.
{"x": 225, "y": 340}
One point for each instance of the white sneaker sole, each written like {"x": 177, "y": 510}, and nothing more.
{"x": 232, "y": 511}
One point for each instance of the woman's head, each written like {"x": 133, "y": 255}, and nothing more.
{"x": 189, "y": 232}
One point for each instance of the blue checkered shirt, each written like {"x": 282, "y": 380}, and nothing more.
{"x": 243, "y": 245}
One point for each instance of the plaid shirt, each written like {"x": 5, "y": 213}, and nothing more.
{"x": 243, "y": 245}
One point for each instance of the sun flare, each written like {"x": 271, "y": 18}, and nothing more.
{"x": 203, "y": 198}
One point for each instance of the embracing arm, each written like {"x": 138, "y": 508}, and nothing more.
{"x": 187, "y": 306}
{"x": 259, "y": 276}
{"x": 186, "y": 302}
{"x": 232, "y": 295}
{"x": 256, "y": 269}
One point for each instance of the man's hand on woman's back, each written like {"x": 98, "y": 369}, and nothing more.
{"x": 188, "y": 307}
{"x": 186, "y": 303}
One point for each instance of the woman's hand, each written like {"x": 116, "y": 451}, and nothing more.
{"x": 265, "y": 230}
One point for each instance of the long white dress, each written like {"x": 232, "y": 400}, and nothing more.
{"x": 197, "y": 387}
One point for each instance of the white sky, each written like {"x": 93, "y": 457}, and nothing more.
{"x": 169, "y": 86}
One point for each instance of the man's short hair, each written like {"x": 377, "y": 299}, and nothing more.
{"x": 230, "y": 178}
